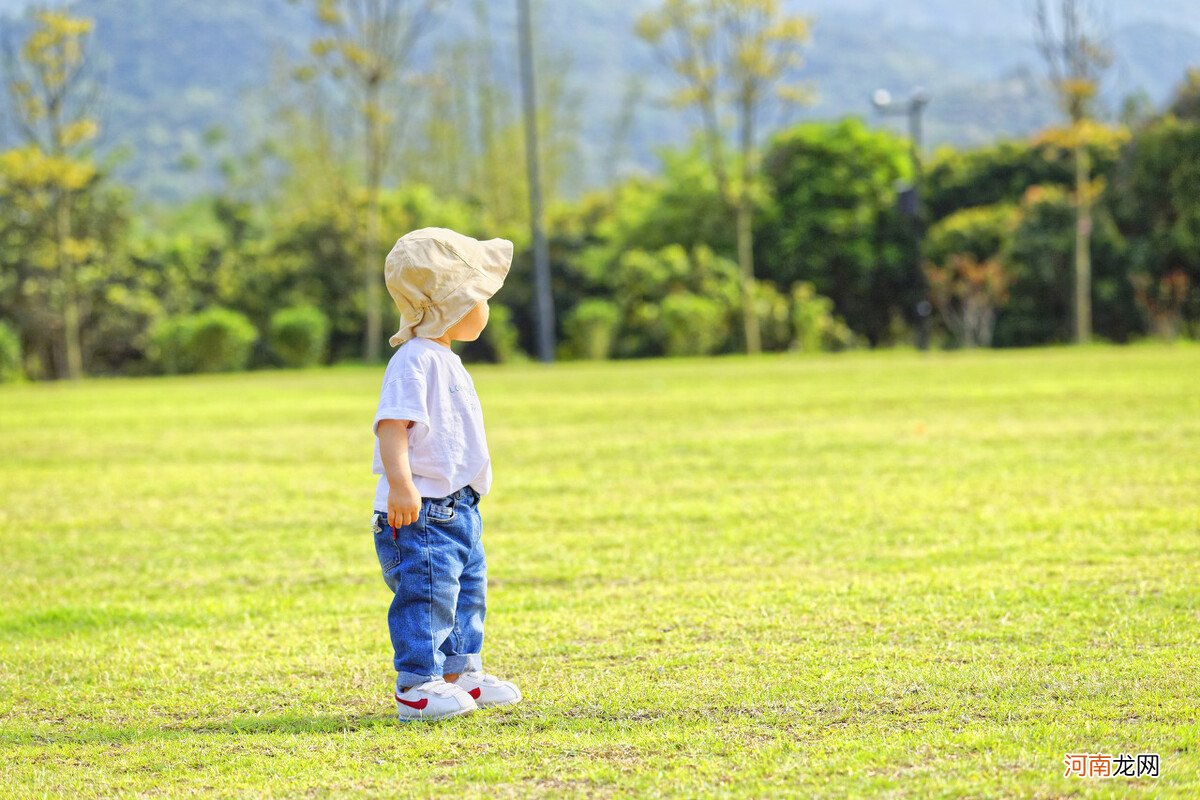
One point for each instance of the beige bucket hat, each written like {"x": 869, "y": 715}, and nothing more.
{"x": 437, "y": 275}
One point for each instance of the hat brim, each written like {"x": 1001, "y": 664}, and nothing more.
{"x": 432, "y": 321}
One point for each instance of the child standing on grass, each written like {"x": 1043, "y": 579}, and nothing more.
{"x": 432, "y": 458}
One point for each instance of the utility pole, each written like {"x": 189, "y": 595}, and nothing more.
{"x": 541, "y": 252}
{"x": 910, "y": 200}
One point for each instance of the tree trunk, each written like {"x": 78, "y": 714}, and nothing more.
{"x": 745, "y": 232}
{"x": 66, "y": 273}
{"x": 745, "y": 239}
{"x": 371, "y": 344}
{"x": 1083, "y": 255}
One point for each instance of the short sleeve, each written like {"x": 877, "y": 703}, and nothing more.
{"x": 403, "y": 397}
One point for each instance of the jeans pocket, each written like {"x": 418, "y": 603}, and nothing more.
{"x": 440, "y": 514}
{"x": 386, "y": 547}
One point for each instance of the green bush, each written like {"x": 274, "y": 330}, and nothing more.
{"x": 10, "y": 354}
{"x": 299, "y": 335}
{"x": 501, "y": 334}
{"x": 692, "y": 325}
{"x": 214, "y": 340}
{"x": 814, "y": 325}
{"x": 834, "y": 220}
{"x": 983, "y": 233}
{"x": 774, "y": 317}
{"x": 591, "y": 328}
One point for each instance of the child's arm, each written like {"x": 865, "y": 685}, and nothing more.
{"x": 404, "y": 501}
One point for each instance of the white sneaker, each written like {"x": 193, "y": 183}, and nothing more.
{"x": 488, "y": 690}
{"x": 432, "y": 700}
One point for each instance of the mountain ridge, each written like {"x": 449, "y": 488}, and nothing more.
{"x": 175, "y": 69}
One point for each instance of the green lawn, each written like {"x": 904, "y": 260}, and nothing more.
{"x": 870, "y": 574}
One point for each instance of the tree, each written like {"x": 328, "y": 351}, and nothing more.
{"x": 469, "y": 133}
{"x": 1186, "y": 105}
{"x": 729, "y": 55}
{"x": 834, "y": 221}
{"x": 1075, "y": 58}
{"x": 1158, "y": 210}
{"x": 367, "y": 45}
{"x": 1004, "y": 171}
{"x": 967, "y": 293}
{"x": 52, "y": 95}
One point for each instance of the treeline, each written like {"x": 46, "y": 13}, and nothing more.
{"x": 270, "y": 270}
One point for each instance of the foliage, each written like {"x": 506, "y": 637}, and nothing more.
{"x": 981, "y": 233}
{"x": 591, "y": 328}
{"x": 1157, "y": 206}
{"x": 52, "y": 93}
{"x": 681, "y": 207}
{"x": 32, "y": 286}
{"x": 967, "y": 293}
{"x": 501, "y": 336}
{"x": 309, "y": 256}
{"x": 11, "y": 367}
{"x": 369, "y": 46}
{"x": 1074, "y": 53}
{"x": 1186, "y": 103}
{"x": 1001, "y": 173}
{"x": 815, "y": 326}
{"x": 46, "y": 81}
{"x": 730, "y": 55}
{"x": 966, "y": 271}
{"x": 1039, "y": 261}
{"x": 1162, "y": 301}
{"x": 641, "y": 283}
{"x": 213, "y": 340}
{"x": 692, "y": 325}
{"x": 834, "y": 222}
{"x": 299, "y": 335}
{"x": 774, "y": 315}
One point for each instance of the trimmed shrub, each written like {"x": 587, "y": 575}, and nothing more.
{"x": 814, "y": 325}
{"x": 214, "y": 340}
{"x": 10, "y": 354}
{"x": 591, "y": 328}
{"x": 501, "y": 334}
{"x": 299, "y": 335}
{"x": 982, "y": 233}
{"x": 692, "y": 325}
{"x": 774, "y": 317}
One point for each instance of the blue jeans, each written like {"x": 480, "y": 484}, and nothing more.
{"x": 436, "y": 570}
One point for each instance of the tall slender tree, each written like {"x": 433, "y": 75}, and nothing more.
{"x": 368, "y": 45}
{"x": 731, "y": 56}
{"x": 53, "y": 95}
{"x": 1075, "y": 60}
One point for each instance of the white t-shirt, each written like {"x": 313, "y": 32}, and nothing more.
{"x": 447, "y": 449}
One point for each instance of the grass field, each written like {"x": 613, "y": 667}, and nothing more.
{"x": 869, "y": 574}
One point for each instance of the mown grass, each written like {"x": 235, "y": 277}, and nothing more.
{"x": 872, "y": 574}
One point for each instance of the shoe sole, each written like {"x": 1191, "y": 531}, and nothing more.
{"x": 512, "y": 702}
{"x": 427, "y": 718}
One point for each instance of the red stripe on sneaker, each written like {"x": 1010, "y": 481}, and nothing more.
{"x": 475, "y": 693}
{"x": 419, "y": 705}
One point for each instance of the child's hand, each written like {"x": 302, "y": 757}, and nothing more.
{"x": 404, "y": 504}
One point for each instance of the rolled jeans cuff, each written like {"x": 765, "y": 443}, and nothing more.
{"x": 453, "y": 665}
{"x": 460, "y": 664}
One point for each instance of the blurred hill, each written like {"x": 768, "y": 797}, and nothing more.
{"x": 176, "y": 69}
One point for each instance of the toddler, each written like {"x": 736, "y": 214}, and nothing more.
{"x": 432, "y": 459}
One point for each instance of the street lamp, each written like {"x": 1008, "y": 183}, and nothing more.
{"x": 910, "y": 199}
{"x": 912, "y": 108}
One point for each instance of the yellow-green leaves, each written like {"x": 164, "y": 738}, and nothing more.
{"x": 48, "y": 81}
{"x": 31, "y": 169}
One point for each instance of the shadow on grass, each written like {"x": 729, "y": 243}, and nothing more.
{"x": 240, "y": 726}
{"x": 292, "y": 723}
